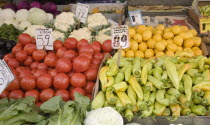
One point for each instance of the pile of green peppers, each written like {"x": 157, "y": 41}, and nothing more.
{"x": 166, "y": 86}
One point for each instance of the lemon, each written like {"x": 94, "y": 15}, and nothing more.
{"x": 158, "y": 32}
{"x": 169, "y": 41}
{"x": 129, "y": 54}
{"x": 137, "y": 37}
{"x": 184, "y": 29}
{"x": 134, "y": 46}
{"x": 168, "y": 35}
{"x": 197, "y": 41}
{"x": 151, "y": 43}
{"x": 195, "y": 48}
{"x": 179, "y": 48}
{"x": 173, "y": 47}
{"x": 167, "y": 30}
{"x": 132, "y": 32}
{"x": 178, "y": 40}
{"x": 150, "y": 28}
{"x": 197, "y": 52}
{"x": 186, "y": 35}
{"x": 139, "y": 53}
{"x": 188, "y": 43}
{"x": 142, "y": 46}
{"x": 194, "y": 32}
{"x": 160, "y": 46}
{"x": 123, "y": 53}
{"x": 160, "y": 27}
{"x": 156, "y": 51}
{"x": 158, "y": 54}
{"x": 147, "y": 35}
{"x": 157, "y": 37}
{"x": 149, "y": 53}
{"x": 141, "y": 29}
{"x": 170, "y": 53}
{"x": 175, "y": 29}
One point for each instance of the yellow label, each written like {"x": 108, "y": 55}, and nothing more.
{"x": 204, "y": 24}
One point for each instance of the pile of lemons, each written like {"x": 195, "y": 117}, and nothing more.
{"x": 149, "y": 42}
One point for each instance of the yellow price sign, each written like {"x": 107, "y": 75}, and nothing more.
{"x": 204, "y": 24}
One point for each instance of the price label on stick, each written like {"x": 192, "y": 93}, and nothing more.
{"x": 136, "y": 17}
{"x": 120, "y": 37}
{"x": 44, "y": 39}
{"x": 82, "y": 12}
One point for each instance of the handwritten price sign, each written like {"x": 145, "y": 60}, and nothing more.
{"x": 82, "y": 12}
{"x": 44, "y": 39}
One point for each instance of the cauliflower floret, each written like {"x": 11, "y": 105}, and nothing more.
{"x": 22, "y": 15}
{"x": 96, "y": 19}
{"x": 12, "y": 21}
{"x": 24, "y": 25}
{"x": 102, "y": 36}
{"x": 57, "y": 35}
{"x": 37, "y": 16}
{"x": 64, "y": 20}
{"x": 83, "y": 33}
{"x": 7, "y": 14}
{"x": 49, "y": 17}
{"x": 31, "y": 30}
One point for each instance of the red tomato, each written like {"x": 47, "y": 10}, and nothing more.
{"x": 70, "y": 43}
{"x": 63, "y": 65}
{"x": 86, "y": 49}
{"x": 89, "y": 96}
{"x": 96, "y": 66}
{"x": 21, "y": 55}
{"x": 46, "y": 94}
{"x": 39, "y": 55}
{"x": 28, "y": 61}
{"x": 38, "y": 104}
{"x": 13, "y": 63}
{"x": 33, "y": 71}
{"x": 7, "y": 57}
{"x": 29, "y": 48}
{"x": 24, "y": 39}
{"x": 64, "y": 94}
{"x": 25, "y": 73}
{"x": 81, "y": 43}
{"x": 39, "y": 72}
{"x": 16, "y": 48}
{"x": 71, "y": 88}
{"x": 33, "y": 40}
{"x": 96, "y": 46}
{"x": 70, "y": 54}
{"x": 42, "y": 66}
{"x": 60, "y": 52}
{"x": 34, "y": 93}
{"x": 78, "y": 90}
{"x": 51, "y": 59}
{"x": 20, "y": 68}
{"x": 61, "y": 81}
{"x": 4, "y": 94}
{"x": 89, "y": 87}
{"x": 87, "y": 54}
{"x": 98, "y": 55}
{"x": 81, "y": 64}
{"x": 34, "y": 65}
{"x": 96, "y": 61}
{"x": 91, "y": 74}
{"x": 78, "y": 80}
{"x": 52, "y": 73}
{"x": 70, "y": 74}
{"x": 57, "y": 44}
{"x": 107, "y": 46}
{"x": 28, "y": 82}
{"x": 16, "y": 94}
{"x": 44, "y": 81}
{"x": 14, "y": 72}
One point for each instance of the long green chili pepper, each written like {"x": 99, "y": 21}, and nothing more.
{"x": 183, "y": 100}
{"x": 182, "y": 70}
{"x": 201, "y": 62}
{"x": 160, "y": 97}
{"x": 185, "y": 111}
{"x": 125, "y": 100}
{"x": 157, "y": 83}
{"x": 192, "y": 72}
{"x": 204, "y": 85}
{"x": 110, "y": 97}
{"x": 166, "y": 112}
{"x": 129, "y": 114}
{"x": 119, "y": 78}
{"x": 150, "y": 65}
{"x": 173, "y": 91}
{"x": 98, "y": 101}
{"x": 164, "y": 75}
{"x": 142, "y": 105}
{"x": 113, "y": 70}
{"x": 159, "y": 108}
{"x": 197, "y": 80}
{"x": 103, "y": 77}
{"x": 110, "y": 82}
{"x": 136, "y": 86}
{"x": 144, "y": 74}
{"x": 171, "y": 98}
{"x": 136, "y": 67}
{"x": 123, "y": 69}
{"x": 132, "y": 95}
{"x": 128, "y": 72}
{"x": 158, "y": 73}
{"x": 152, "y": 97}
{"x": 184, "y": 60}
{"x": 106, "y": 104}
{"x": 150, "y": 72}
{"x": 149, "y": 86}
{"x": 198, "y": 110}
{"x": 119, "y": 106}
{"x": 176, "y": 110}
{"x": 181, "y": 87}
{"x": 146, "y": 94}
{"x": 206, "y": 74}
{"x": 124, "y": 62}
{"x": 135, "y": 109}
{"x": 147, "y": 112}
{"x": 122, "y": 86}
{"x": 188, "y": 86}
{"x": 197, "y": 100}
{"x": 207, "y": 97}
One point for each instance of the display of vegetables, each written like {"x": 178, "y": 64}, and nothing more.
{"x": 204, "y": 10}
{"x": 9, "y": 32}
{"x": 165, "y": 86}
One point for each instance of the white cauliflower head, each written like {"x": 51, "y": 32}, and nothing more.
{"x": 7, "y": 14}
{"x": 22, "y": 15}
{"x": 96, "y": 19}
{"x": 82, "y": 33}
{"x": 49, "y": 17}
{"x": 57, "y": 35}
{"x": 37, "y": 16}
{"x": 12, "y": 21}
{"x": 24, "y": 25}
{"x": 64, "y": 20}
{"x": 102, "y": 36}
{"x": 31, "y": 30}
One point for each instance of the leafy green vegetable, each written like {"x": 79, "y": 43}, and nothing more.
{"x": 9, "y": 32}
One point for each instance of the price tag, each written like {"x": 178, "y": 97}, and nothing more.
{"x": 6, "y": 76}
{"x": 113, "y": 23}
{"x": 120, "y": 37}
{"x": 44, "y": 39}
{"x": 204, "y": 24}
{"x": 136, "y": 17}
{"x": 82, "y": 12}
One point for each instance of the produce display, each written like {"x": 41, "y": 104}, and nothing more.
{"x": 166, "y": 86}
{"x": 204, "y": 10}
{"x": 147, "y": 41}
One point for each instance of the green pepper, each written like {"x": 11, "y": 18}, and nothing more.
{"x": 124, "y": 62}
{"x": 135, "y": 109}
{"x": 106, "y": 104}
{"x": 136, "y": 87}
{"x": 182, "y": 70}
{"x": 150, "y": 72}
{"x": 160, "y": 97}
{"x": 201, "y": 62}
{"x": 103, "y": 77}
{"x": 124, "y": 99}
{"x": 152, "y": 97}
{"x": 144, "y": 74}
{"x": 197, "y": 79}
{"x": 136, "y": 67}
{"x": 147, "y": 112}
{"x": 181, "y": 87}
{"x": 193, "y": 65}
{"x": 158, "y": 73}
{"x": 110, "y": 97}
{"x": 176, "y": 110}
{"x": 184, "y": 60}
{"x": 197, "y": 100}
{"x": 110, "y": 82}
{"x": 173, "y": 91}
{"x": 160, "y": 61}
{"x": 204, "y": 85}
{"x": 188, "y": 86}
{"x": 159, "y": 108}
{"x": 146, "y": 94}
{"x": 157, "y": 83}
{"x": 129, "y": 114}
{"x": 122, "y": 86}
{"x": 166, "y": 112}
{"x": 119, "y": 78}
{"x": 119, "y": 106}
{"x": 207, "y": 97}
{"x": 185, "y": 111}
{"x": 131, "y": 93}
{"x": 171, "y": 98}
{"x": 198, "y": 110}
{"x": 183, "y": 100}
{"x": 206, "y": 74}
{"x": 123, "y": 69}
{"x": 128, "y": 72}
{"x": 142, "y": 105}
{"x": 149, "y": 86}
{"x": 192, "y": 72}
{"x": 98, "y": 101}
{"x": 113, "y": 70}
{"x": 164, "y": 75}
